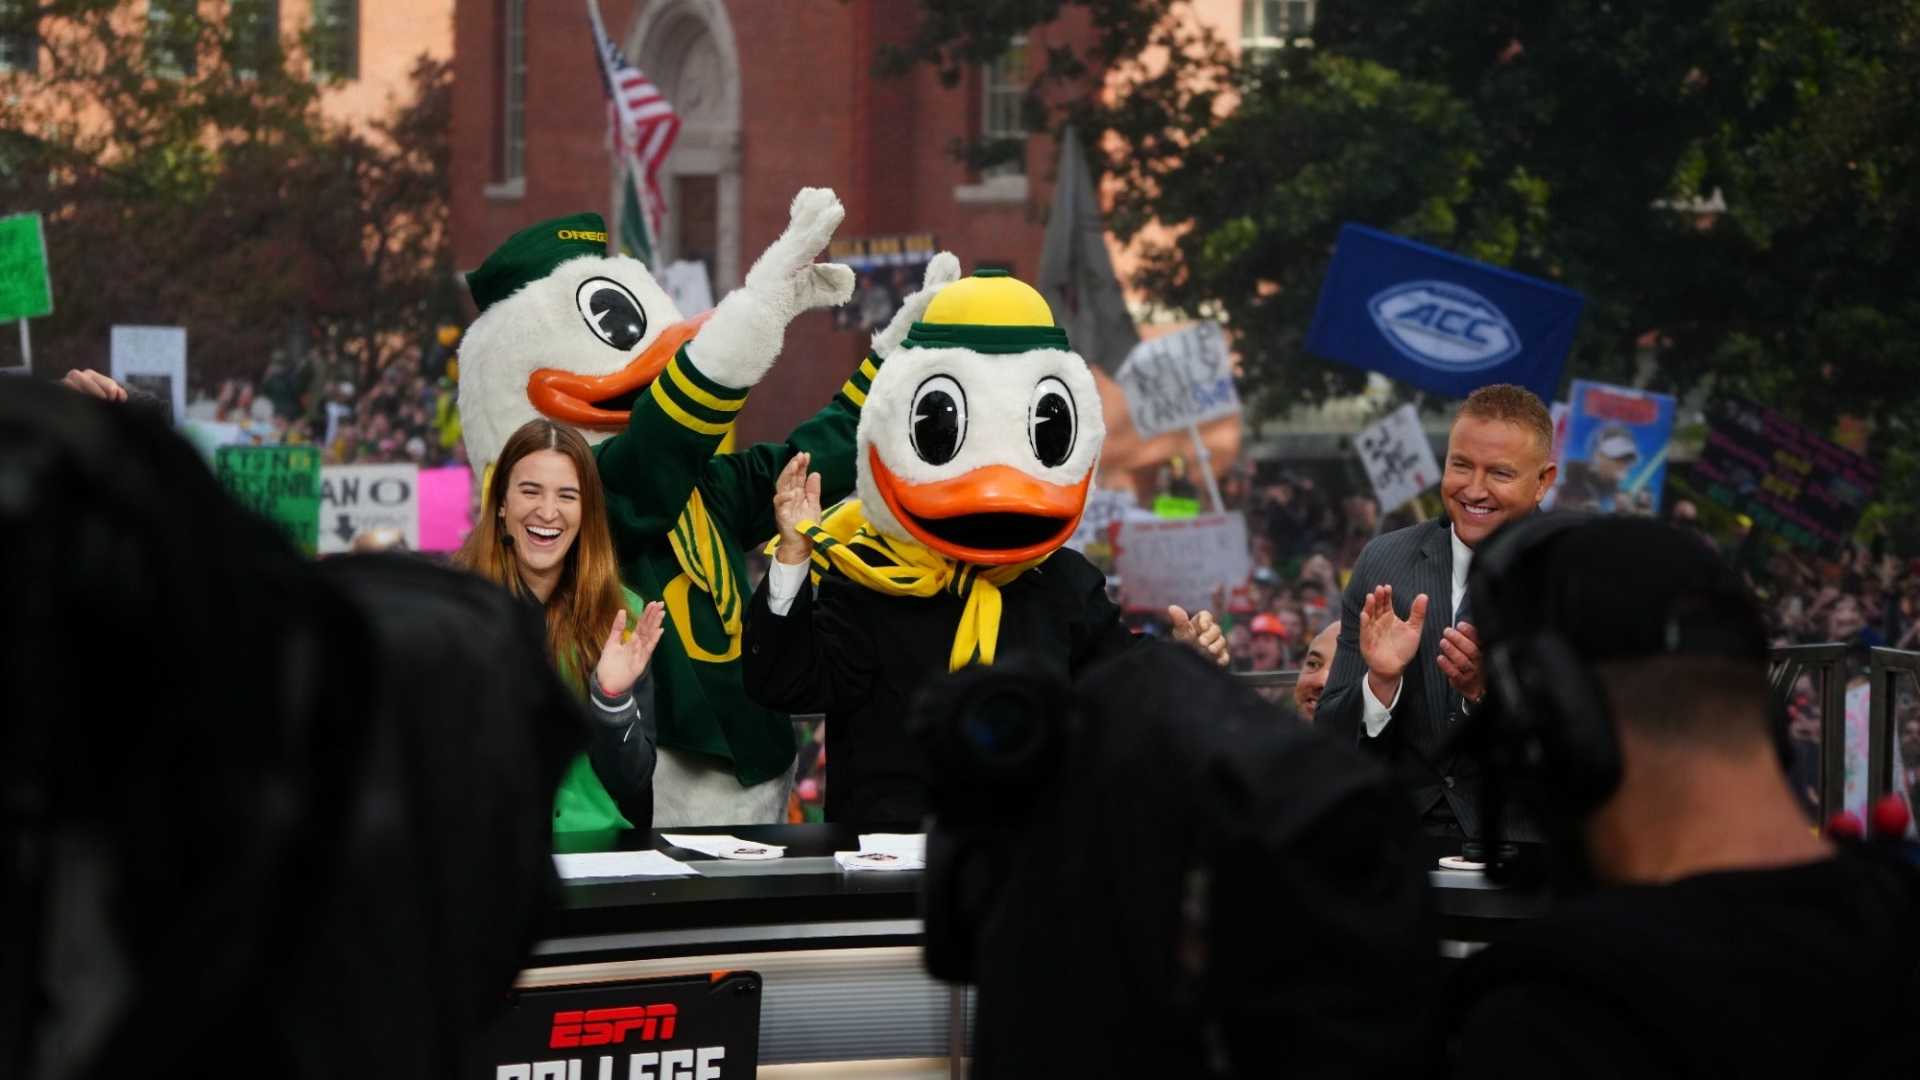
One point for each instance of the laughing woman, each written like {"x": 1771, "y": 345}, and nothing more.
{"x": 543, "y": 535}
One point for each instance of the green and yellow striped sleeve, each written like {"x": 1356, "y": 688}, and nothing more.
{"x": 694, "y": 401}
{"x": 857, "y": 385}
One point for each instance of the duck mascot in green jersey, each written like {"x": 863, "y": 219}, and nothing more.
{"x": 571, "y": 332}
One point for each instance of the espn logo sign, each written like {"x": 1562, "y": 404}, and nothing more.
{"x": 603, "y": 1027}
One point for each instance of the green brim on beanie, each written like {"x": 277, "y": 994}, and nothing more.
{"x": 532, "y": 253}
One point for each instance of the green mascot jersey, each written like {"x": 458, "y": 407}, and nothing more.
{"x": 666, "y": 486}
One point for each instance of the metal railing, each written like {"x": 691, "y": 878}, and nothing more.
{"x": 1786, "y": 663}
{"x": 1884, "y": 668}
{"x": 1268, "y": 680}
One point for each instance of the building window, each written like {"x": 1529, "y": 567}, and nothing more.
{"x": 19, "y": 41}
{"x": 1003, "y": 128}
{"x": 336, "y": 39}
{"x": 510, "y": 159}
{"x": 173, "y": 33}
{"x": 253, "y": 29}
{"x": 1275, "y": 24}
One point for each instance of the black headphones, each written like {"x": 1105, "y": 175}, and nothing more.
{"x": 1548, "y": 729}
{"x": 1548, "y": 734}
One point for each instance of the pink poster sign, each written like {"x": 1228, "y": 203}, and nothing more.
{"x": 446, "y": 507}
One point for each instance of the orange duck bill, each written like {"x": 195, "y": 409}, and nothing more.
{"x": 605, "y": 402}
{"x": 993, "y": 515}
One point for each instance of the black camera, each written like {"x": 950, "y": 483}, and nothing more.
{"x": 1152, "y": 869}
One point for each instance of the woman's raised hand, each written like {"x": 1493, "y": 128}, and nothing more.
{"x": 623, "y": 662}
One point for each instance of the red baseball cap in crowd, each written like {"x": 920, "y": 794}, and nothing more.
{"x": 1268, "y": 623}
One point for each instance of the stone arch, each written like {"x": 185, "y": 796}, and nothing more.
{"x": 688, "y": 49}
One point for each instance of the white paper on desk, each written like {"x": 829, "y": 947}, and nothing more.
{"x": 620, "y": 864}
{"x": 906, "y": 845}
{"x": 886, "y": 851}
{"x": 724, "y": 847}
{"x": 877, "y": 860}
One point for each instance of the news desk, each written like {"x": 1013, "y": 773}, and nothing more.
{"x": 838, "y": 951}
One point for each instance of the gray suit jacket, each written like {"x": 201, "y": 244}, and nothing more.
{"x": 1414, "y": 560}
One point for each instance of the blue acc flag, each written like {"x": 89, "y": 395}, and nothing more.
{"x": 1439, "y": 321}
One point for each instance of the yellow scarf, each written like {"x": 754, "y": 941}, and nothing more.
{"x": 908, "y": 569}
{"x": 701, "y": 553}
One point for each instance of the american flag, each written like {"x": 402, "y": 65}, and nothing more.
{"x": 644, "y": 127}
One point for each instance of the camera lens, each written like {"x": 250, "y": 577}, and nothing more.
{"x": 1001, "y": 729}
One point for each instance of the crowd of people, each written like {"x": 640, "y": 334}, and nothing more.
{"x": 406, "y": 414}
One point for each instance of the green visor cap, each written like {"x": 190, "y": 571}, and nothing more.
{"x": 985, "y": 339}
{"x": 532, "y": 253}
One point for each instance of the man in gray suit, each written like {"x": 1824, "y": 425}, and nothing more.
{"x": 1401, "y": 679}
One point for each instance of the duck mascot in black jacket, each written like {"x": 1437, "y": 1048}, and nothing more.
{"x": 975, "y": 450}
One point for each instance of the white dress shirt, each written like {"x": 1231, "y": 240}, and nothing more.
{"x": 1375, "y": 715}
{"x": 784, "y": 582}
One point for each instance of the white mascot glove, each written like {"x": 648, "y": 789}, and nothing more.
{"x": 738, "y": 344}
{"x": 942, "y": 270}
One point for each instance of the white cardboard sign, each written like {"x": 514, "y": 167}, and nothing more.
{"x": 356, "y": 499}
{"x": 1398, "y": 458}
{"x": 1181, "y": 561}
{"x": 1180, "y": 379}
{"x": 152, "y": 359}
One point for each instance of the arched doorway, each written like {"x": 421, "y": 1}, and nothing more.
{"x": 687, "y": 48}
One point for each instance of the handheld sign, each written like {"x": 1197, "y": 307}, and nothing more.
{"x": 1613, "y": 458}
{"x": 446, "y": 507}
{"x": 1439, "y": 321}
{"x": 26, "y": 291}
{"x": 1398, "y": 458}
{"x": 1181, "y": 561}
{"x": 152, "y": 359}
{"x": 280, "y": 483}
{"x": 1179, "y": 380}
{"x": 1787, "y": 479}
{"x": 357, "y": 499}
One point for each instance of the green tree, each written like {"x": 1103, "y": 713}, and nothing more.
{"x": 187, "y": 176}
{"x": 1579, "y": 143}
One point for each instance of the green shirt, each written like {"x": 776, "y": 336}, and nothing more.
{"x": 650, "y": 471}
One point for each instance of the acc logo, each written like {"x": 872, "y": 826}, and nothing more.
{"x": 1444, "y": 326}
{"x": 599, "y": 1027}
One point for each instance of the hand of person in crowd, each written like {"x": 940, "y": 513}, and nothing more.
{"x": 623, "y": 662}
{"x": 1201, "y": 632}
{"x": 796, "y": 498}
{"x": 1459, "y": 661}
{"x": 92, "y": 383}
{"x": 1389, "y": 643}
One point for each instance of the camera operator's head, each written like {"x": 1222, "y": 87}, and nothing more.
{"x": 1631, "y": 709}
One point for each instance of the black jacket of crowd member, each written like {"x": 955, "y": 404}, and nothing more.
{"x": 860, "y": 656}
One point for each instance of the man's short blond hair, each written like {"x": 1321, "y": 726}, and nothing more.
{"x": 1514, "y": 405}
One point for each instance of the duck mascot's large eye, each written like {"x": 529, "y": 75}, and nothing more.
{"x": 1051, "y": 422}
{"x": 611, "y": 312}
{"x": 939, "y": 420}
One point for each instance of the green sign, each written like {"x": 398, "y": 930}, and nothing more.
{"x": 25, "y": 291}
{"x": 1172, "y": 506}
{"x": 281, "y": 483}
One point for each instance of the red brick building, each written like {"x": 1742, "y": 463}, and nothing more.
{"x": 775, "y": 95}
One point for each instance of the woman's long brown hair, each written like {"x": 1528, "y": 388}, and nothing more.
{"x": 581, "y": 609}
